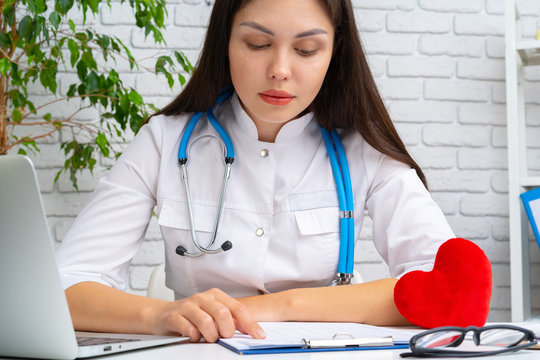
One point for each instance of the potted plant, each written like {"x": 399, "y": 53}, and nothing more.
{"x": 39, "y": 39}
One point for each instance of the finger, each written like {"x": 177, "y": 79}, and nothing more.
{"x": 179, "y": 324}
{"x": 244, "y": 320}
{"x": 196, "y": 313}
{"x": 222, "y": 317}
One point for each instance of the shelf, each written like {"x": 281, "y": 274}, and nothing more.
{"x": 519, "y": 53}
{"x": 529, "y": 51}
{"x": 528, "y": 45}
{"x": 530, "y": 181}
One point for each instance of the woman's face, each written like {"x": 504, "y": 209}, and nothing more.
{"x": 279, "y": 52}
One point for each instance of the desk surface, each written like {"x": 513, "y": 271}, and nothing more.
{"x": 215, "y": 351}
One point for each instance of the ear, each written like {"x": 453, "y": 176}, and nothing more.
{"x": 457, "y": 292}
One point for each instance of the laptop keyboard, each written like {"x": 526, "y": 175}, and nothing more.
{"x": 89, "y": 340}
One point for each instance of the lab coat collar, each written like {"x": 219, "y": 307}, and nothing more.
{"x": 289, "y": 131}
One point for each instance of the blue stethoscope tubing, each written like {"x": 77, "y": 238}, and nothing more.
{"x": 340, "y": 170}
{"x": 182, "y": 150}
{"x": 342, "y": 177}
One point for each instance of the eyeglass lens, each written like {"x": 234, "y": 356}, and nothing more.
{"x": 439, "y": 339}
{"x": 501, "y": 337}
{"x": 494, "y": 338}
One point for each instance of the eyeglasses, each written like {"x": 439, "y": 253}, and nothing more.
{"x": 451, "y": 341}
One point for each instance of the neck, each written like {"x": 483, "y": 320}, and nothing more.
{"x": 268, "y": 131}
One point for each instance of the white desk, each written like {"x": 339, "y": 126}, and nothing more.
{"x": 218, "y": 352}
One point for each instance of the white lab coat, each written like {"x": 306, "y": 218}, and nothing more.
{"x": 289, "y": 196}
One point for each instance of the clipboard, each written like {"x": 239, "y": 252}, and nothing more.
{"x": 321, "y": 345}
{"x": 531, "y": 203}
{"x": 340, "y": 340}
{"x": 362, "y": 337}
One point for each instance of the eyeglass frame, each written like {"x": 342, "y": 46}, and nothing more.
{"x": 444, "y": 352}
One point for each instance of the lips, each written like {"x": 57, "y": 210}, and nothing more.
{"x": 276, "y": 97}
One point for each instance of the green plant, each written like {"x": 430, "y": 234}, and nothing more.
{"x": 39, "y": 39}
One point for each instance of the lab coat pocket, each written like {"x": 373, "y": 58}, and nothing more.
{"x": 182, "y": 271}
{"x": 317, "y": 221}
{"x": 315, "y": 212}
{"x": 316, "y": 246}
{"x": 174, "y": 214}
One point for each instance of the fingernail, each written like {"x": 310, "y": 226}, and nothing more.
{"x": 260, "y": 333}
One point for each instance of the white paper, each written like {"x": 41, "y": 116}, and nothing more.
{"x": 290, "y": 334}
{"x": 534, "y": 326}
{"x": 535, "y": 210}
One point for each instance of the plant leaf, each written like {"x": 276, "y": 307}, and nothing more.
{"x": 74, "y": 50}
{"x": 26, "y": 27}
{"x": 71, "y": 25}
{"x": 103, "y": 143}
{"x": 4, "y": 66}
{"x": 55, "y": 19}
{"x": 63, "y": 6}
{"x": 135, "y": 97}
{"x": 16, "y": 115}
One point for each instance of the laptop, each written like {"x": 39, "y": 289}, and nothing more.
{"x": 34, "y": 315}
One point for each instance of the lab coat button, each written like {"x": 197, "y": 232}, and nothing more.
{"x": 259, "y": 232}
{"x": 264, "y": 153}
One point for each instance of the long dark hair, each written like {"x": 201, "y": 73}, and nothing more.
{"x": 348, "y": 98}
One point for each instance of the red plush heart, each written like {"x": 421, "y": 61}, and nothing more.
{"x": 455, "y": 293}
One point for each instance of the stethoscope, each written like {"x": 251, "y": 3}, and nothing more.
{"x": 340, "y": 170}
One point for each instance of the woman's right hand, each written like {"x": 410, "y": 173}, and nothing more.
{"x": 211, "y": 314}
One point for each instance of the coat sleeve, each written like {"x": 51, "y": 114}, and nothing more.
{"x": 408, "y": 226}
{"x": 109, "y": 230}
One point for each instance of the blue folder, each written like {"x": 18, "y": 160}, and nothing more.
{"x": 297, "y": 349}
{"x": 531, "y": 203}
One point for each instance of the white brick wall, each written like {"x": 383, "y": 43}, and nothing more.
{"x": 440, "y": 68}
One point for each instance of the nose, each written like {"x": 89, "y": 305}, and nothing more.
{"x": 280, "y": 67}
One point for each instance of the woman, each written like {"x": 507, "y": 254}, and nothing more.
{"x": 293, "y": 65}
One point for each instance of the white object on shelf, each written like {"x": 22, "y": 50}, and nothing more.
{"x": 538, "y": 27}
{"x": 529, "y": 52}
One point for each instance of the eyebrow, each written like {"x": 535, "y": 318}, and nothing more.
{"x": 257, "y": 26}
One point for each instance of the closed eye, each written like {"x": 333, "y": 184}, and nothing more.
{"x": 257, "y": 47}
{"x": 304, "y": 52}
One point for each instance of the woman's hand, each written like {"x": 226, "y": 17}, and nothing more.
{"x": 211, "y": 314}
